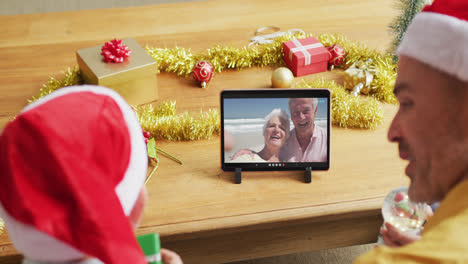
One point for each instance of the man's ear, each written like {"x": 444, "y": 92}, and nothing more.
{"x": 137, "y": 211}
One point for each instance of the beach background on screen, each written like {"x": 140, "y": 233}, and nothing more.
{"x": 244, "y": 119}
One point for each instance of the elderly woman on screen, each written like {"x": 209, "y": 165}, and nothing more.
{"x": 275, "y": 132}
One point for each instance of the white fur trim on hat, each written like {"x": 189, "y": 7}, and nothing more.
{"x": 37, "y": 245}
{"x": 439, "y": 41}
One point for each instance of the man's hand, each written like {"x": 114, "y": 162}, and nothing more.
{"x": 243, "y": 152}
{"x": 170, "y": 257}
{"x": 393, "y": 237}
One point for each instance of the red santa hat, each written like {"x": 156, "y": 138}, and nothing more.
{"x": 438, "y": 36}
{"x": 72, "y": 166}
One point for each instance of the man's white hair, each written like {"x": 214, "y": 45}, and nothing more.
{"x": 284, "y": 119}
{"x": 314, "y": 102}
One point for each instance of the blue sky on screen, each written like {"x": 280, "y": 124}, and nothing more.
{"x": 260, "y": 107}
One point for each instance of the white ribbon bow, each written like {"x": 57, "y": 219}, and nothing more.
{"x": 268, "y": 38}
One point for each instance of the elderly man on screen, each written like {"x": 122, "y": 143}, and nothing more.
{"x": 431, "y": 129}
{"x": 307, "y": 142}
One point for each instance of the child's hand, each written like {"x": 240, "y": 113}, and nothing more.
{"x": 170, "y": 257}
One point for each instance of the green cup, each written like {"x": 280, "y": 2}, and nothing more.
{"x": 151, "y": 246}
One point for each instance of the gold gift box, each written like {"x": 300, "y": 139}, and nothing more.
{"x": 134, "y": 79}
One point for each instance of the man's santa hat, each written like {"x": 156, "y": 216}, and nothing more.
{"x": 438, "y": 36}
{"x": 72, "y": 166}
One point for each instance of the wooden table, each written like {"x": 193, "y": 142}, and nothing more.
{"x": 195, "y": 207}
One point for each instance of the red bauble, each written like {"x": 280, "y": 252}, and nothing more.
{"x": 115, "y": 51}
{"x": 202, "y": 72}
{"x": 337, "y": 55}
{"x": 146, "y": 134}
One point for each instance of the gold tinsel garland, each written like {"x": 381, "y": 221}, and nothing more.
{"x": 181, "y": 61}
{"x": 382, "y": 85}
{"x": 347, "y": 111}
{"x": 71, "y": 77}
{"x": 164, "y": 123}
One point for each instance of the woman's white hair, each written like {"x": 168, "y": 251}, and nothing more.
{"x": 284, "y": 119}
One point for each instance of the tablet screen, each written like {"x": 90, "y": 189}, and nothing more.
{"x": 275, "y": 129}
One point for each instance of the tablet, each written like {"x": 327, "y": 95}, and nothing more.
{"x": 275, "y": 129}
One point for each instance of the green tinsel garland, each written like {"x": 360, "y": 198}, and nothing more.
{"x": 408, "y": 9}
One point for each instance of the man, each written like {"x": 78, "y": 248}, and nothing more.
{"x": 73, "y": 166}
{"x": 431, "y": 129}
{"x": 307, "y": 142}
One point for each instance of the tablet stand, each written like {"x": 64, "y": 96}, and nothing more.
{"x": 308, "y": 175}
{"x": 238, "y": 176}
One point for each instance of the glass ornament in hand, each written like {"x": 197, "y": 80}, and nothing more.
{"x": 402, "y": 213}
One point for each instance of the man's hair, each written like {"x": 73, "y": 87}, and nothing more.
{"x": 284, "y": 119}
{"x": 455, "y": 85}
{"x": 314, "y": 102}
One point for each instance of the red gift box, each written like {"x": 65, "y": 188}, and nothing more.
{"x": 305, "y": 56}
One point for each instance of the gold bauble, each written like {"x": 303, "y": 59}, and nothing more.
{"x": 282, "y": 78}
